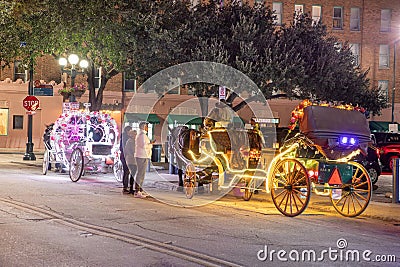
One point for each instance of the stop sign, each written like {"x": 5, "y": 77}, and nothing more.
{"x": 31, "y": 103}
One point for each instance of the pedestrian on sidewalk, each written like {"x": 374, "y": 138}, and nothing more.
{"x": 130, "y": 159}
{"x": 142, "y": 154}
{"x": 124, "y": 139}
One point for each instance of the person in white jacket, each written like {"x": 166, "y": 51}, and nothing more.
{"x": 142, "y": 155}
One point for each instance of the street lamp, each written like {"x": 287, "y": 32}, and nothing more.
{"x": 73, "y": 60}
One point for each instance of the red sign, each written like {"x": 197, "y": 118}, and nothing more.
{"x": 31, "y": 103}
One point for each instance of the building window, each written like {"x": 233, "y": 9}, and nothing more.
{"x": 129, "y": 83}
{"x": 194, "y": 3}
{"x": 18, "y": 122}
{"x": 355, "y": 19}
{"x": 19, "y": 71}
{"x": 277, "y": 8}
{"x": 337, "y": 18}
{"x": 238, "y": 2}
{"x": 383, "y": 86}
{"x": 338, "y": 46}
{"x": 3, "y": 121}
{"x": 316, "y": 14}
{"x": 386, "y": 16}
{"x": 355, "y": 50}
{"x": 384, "y": 56}
{"x": 299, "y": 9}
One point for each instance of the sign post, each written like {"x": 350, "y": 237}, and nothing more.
{"x": 222, "y": 93}
{"x": 43, "y": 90}
{"x": 29, "y": 155}
{"x": 31, "y": 103}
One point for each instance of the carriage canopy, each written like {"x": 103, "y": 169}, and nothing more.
{"x": 320, "y": 122}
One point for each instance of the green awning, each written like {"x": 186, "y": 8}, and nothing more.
{"x": 184, "y": 119}
{"x": 136, "y": 117}
{"x": 380, "y": 126}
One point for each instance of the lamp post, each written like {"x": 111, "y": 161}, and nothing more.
{"x": 394, "y": 78}
{"x": 29, "y": 154}
{"x": 73, "y": 60}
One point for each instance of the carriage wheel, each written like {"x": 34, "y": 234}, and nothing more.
{"x": 351, "y": 200}
{"x": 46, "y": 162}
{"x": 76, "y": 165}
{"x": 248, "y": 192}
{"x": 118, "y": 171}
{"x": 189, "y": 180}
{"x": 290, "y": 188}
{"x": 250, "y": 187}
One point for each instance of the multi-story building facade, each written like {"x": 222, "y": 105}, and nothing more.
{"x": 371, "y": 27}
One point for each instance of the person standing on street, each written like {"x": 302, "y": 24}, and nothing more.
{"x": 125, "y": 178}
{"x": 142, "y": 154}
{"x": 129, "y": 151}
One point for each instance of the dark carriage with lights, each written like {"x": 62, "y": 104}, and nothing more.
{"x": 83, "y": 142}
{"x": 318, "y": 159}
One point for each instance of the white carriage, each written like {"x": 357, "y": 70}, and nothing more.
{"x": 83, "y": 142}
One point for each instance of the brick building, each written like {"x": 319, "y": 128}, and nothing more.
{"x": 371, "y": 27}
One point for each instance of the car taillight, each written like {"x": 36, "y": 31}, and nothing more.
{"x": 313, "y": 174}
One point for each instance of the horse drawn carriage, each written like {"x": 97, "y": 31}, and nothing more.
{"x": 82, "y": 142}
{"x": 318, "y": 159}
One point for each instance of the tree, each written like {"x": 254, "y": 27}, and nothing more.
{"x": 309, "y": 64}
{"x": 299, "y": 59}
{"x": 236, "y": 37}
{"x": 96, "y": 31}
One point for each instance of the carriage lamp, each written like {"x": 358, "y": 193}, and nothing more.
{"x": 348, "y": 140}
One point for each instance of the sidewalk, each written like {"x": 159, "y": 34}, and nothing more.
{"x": 159, "y": 179}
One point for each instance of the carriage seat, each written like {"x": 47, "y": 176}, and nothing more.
{"x": 233, "y": 140}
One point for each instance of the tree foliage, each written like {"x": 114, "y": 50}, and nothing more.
{"x": 96, "y": 31}
{"x": 299, "y": 59}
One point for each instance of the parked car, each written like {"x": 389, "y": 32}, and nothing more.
{"x": 371, "y": 163}
{"x": 389, "y": 147}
